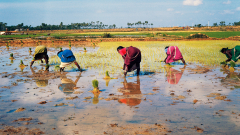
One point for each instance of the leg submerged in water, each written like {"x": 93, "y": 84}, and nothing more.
{"x": 61, "y": 69}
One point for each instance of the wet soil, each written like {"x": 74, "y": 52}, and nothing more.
{"x": 196, "y": 99}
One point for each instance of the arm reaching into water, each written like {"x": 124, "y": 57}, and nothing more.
{"x": 79, "y": 68}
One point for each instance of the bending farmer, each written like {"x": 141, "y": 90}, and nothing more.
{"x": 232, "y": 54}
{"x": 67, "y": 58}
{"x": 132, "y": 58}
{"x": 173, "y": 54}
{"x": 39, "y": 54}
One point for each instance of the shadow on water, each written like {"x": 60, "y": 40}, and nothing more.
{"x": 141, "y": 73}
{"x": 176, "y": 63}
{"x": 74, "y": 70}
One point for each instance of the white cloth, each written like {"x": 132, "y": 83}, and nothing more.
{"x": 65, "y": 64}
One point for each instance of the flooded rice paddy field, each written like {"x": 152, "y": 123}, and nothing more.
{"x": 178, "y": 99}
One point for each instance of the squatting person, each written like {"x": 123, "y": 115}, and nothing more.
{"x": 39, "y": 54}
{"x": 173, "y": 54}
{"x": 132, "y": 59}
{"x": 67, "y": 58}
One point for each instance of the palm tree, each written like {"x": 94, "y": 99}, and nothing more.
{"x": 61, "y": 25}
{"x": 146, "y": 22}
{"x": 140, "y": 23}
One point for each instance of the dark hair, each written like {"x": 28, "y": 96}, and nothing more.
{"x": 119, "y": 48}
{"x": 224, "y": 50}
{"x": 166, "y": 47}
{"x": 59, "y": 52}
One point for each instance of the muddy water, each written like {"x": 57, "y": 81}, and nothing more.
{"x": 183, "y": 100}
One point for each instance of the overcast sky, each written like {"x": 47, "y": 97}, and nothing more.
{"x": 162, "y": 13}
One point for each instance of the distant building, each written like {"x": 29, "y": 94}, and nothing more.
{"x": 6, "y": 33}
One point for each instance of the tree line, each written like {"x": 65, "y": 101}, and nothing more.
{"x": 61, "y": 26}
{"x": 139, "y": 24}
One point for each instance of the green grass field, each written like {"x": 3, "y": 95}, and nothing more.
{"x": 216, "y": 34}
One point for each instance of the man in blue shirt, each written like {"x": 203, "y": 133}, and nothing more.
{"x": 67, "y": 58}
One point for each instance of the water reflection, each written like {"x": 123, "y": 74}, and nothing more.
{"x": 95, "y": 98}
{"x": 131, "y": 93}
{"x": 68, "y": 85}
{"x": 232, "y": 79}
{"x": 173, "y": 75}
{"x": 39, "y": 79}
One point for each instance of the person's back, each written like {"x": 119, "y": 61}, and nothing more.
{"x": 67, "y": 58}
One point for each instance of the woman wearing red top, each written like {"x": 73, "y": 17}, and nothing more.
{"x": 132, "y": 59}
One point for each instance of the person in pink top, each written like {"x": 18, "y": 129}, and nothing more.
{"x": 173, "y": 54}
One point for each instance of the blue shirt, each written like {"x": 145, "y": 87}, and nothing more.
{"x": 66, "y": 56}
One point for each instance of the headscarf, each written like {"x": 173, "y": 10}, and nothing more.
{"x": 166, "y": 50}
{"x": 123, "y": 51}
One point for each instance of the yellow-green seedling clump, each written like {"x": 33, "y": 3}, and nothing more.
{"x": 22, "y": 66}
{"x": 7, "y": 45}
{"x": 85, "y": 49}
{"x": 11, "y": 56}
{"x": 69, "y": 43}
{"x": 95, "y": 86}
{"x": 47, "y": 67}
{"x": 223, "y": 63}
{"x": 231, "y": 69}
{"x": 107, "y": 75}
{"x": 60, "y": 48}
{"x": 21, "y": 63}
{"x": 232, "y": 64}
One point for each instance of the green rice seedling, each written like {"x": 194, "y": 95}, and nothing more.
{"x": 60, "y": 48}
{"x": 223, "y": 63}
{"x": 95, "y": 86}
{"x": 47, "y": 67}
{"x": 107, "y": 74}
{"x": 11, "y": 55}
{"x": 21, "y": 63}
{"x": 69, "y": 42}
{"x": 232, "y": 64}
{"x": 7, "y": 45}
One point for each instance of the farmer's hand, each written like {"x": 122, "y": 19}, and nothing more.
{"x": 224, "y": 62}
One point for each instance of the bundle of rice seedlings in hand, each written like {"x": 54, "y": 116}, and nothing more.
{"x": 232, "y": 64}
{"x": 223, "y": 63}
{"x": 60, "y": 48}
